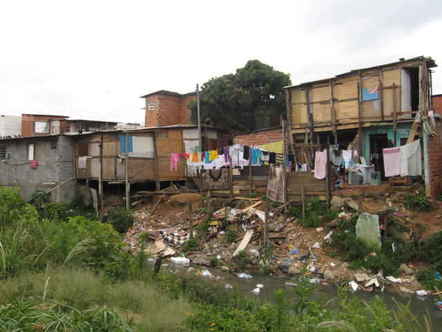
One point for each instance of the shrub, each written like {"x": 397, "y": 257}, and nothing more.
{"x": 13, "y": 207}
{"x": 316, "y": 213}
{"x": 418, "y": 202}
{"x": 122, "y": 219}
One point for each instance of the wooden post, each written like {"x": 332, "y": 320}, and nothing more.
{"x": 100, "y": 178}
{"x": 394, "y": 115}
{"x": 285, "y": 158}
{"x": 327, "y": 178}
{"x": 288, "y": 101}
{"x": 381, "y": 94}
{"x": 333, "y": 111}
{"x": 156, "y": 163}
{"x": 265, "y": 228}
{"x": 230, "y": 181}
{"x": 359, "y": 85}
{"x": 250, "y": 180}
{"x": 127, "y": 173}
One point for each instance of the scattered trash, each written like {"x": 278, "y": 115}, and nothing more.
{"x": 437, "y": 276}
{"x": 180, "y": 261}
{"x": 332, "y": 264}
{"x": 439, "y": 305}
{"x": 367, "y": 229}
{"x": 393, "y": 279}
{"x": 244, "y": 242}
{"x": 290, "y": 284}
{"x": 294, "y": 252}
{"x": 328, "y": 236}
{"x": 354, "y": 286}
{"x": 256, "y": 291}
{"x": 228, "y": 286}
{"x": 372, "y": 282}
{"x": 311, "y": 267}
{"x": 314, "y": 280}
{"x": 421, "y": 292}
{"x": 244, "y": 275}
{"x": 361, "y": 277}
{"x": 206, "y": 273}
{"x": 316, "y": 245}
{"x": 319, "y": 229}
{"x": 259, "y": 285}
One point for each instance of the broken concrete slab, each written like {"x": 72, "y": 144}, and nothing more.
{"x": 244, "y": 242}
{"x": 367, "y": 230}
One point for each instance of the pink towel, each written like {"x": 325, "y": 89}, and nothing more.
{"x": 174, "y": 159}
{"x": 320, "y": 164}
{"x": 392, "y": 161}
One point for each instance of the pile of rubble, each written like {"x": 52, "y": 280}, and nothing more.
{"x": 289, "y": 247}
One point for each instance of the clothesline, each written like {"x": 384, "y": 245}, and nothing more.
{"x": 236, "y": 155}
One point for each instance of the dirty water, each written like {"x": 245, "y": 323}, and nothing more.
{"x": 419, "y": 306}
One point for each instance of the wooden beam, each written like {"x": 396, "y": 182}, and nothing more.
{"x": 359, "y": 85}
{"x": 309, "y": 115}
{"x": 381, "y": 93}
{"x": 394, "y": 116}
{"x": 156, "y": 170}
{"x": 333, "y": 111}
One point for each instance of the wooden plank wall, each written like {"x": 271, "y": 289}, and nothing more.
{"x": 305, "y": 181}
{"x": 345, "y": 99}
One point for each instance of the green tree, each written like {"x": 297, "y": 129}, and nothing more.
{"x": 250, "y": 99}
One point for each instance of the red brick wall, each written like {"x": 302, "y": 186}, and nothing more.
{"x": 435, "y": 161}
{"x": 437, "y": 104}
{"x": 169, "y": 110}
{"x": 259, "y": 138}
{"x": 27, "y": 123}
{"x": 186, "y": 112}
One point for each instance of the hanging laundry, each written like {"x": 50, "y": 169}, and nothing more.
{"x": 213, "y": 154}
{"x": 392, "y": 161}
{"x": 236, "y": 153}
{"x": 195, "y": 158}
{"x": 320, "y": 164}
{"x": 256, "y": 157}
{"x": 265, "y": 157}
{"x": 246, "y": 154}
{"x": 227, "y": 157}
{"x": 174, "y": 160}
{"x": 347, "y": 157}
{"x": 411, "y": 159}
{"x": 272, "y": 158}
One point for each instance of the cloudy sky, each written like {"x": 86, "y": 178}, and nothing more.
{"x": 93, "y": 59}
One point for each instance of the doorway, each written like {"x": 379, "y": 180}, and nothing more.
{"x": 377, "y": 143}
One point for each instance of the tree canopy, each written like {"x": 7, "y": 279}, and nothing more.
{"x": 250, "y": 99}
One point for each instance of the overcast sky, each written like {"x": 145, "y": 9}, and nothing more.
{"x": 94, "y": 59}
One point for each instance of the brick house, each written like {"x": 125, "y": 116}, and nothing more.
{"x": 42, "y": 124}
{"x": 167, "y": 108}
{"x": 259, "y": 137}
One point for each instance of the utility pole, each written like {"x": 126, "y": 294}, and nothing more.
{"x": 200, "y": 142}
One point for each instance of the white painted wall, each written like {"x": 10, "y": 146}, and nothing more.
{"x": 10, "y": 125}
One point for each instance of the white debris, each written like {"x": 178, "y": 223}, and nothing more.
{"x": 319, "y": 229}
{"x": 180, "y": 261}
{"x": 206, "y": 273}
{"x": 393, "y": 279}
{"x": 328, "y": 236}
{"x": 360, "y": 277}
{"x": 290, "y": 284}
{"x": 314, "y": 281}
{"x": 372, "y": 282}
{"x": 332, "y": 264}
{"x": 316, "y": 245}
{"x": 256, "y": 291}
{"x": 228, "y": 286}
{"x": 311, "y": 267}
{"x": 244, "y": 276}
{"x": 421, "y": 292}
{"x": 260, "y": 286}
{"x": 354, "y": 286}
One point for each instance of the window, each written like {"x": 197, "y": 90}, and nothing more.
{"x": 31, "y": 151}
{"x": 41, "y": 127}
{"x": 3, "y": 154}
{"x": 137, "y": 146}
{"x": 370, "y": 93}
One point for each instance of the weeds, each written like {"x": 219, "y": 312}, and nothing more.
{"x": 316, "y": 213}
{"x": 418, "y": 202}
{"x": 121, "y": 219}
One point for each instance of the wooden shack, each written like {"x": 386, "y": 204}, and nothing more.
{"x": 135, "y": 156}
{"x": 389, "y": 94}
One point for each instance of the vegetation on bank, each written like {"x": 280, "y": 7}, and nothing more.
{"x": 71, "y": 273}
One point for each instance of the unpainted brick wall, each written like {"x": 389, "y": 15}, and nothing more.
{"x": 259, "y": 138}
{"x": 435, "y": 161}
{"x": 27, "y": 124}
{"x": 170, "y": 110}
{"x": 437, "y": 104}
